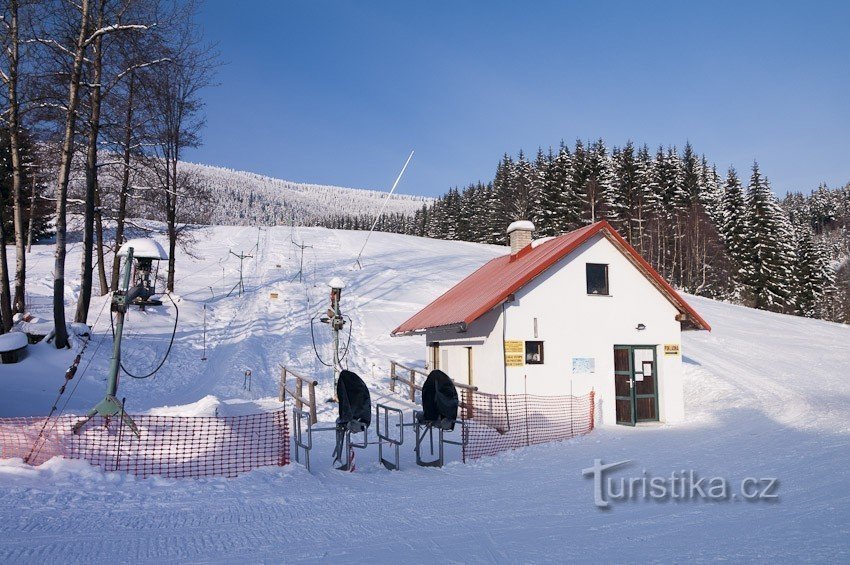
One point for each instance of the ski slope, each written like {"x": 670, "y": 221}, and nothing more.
{"x": 765, "y": 397}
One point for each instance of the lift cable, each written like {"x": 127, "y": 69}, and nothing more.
{"x": 313, "y": 339}
{"x": 167, "y": 351}
{"x": 69, "y": 374}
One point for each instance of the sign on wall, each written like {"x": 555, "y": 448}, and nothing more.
{"x": 671, "y": 349}
{"x": 584, "y": 365}
{"x": 514, "y": 352}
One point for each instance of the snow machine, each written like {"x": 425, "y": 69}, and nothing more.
{"x": 439, "y": 411}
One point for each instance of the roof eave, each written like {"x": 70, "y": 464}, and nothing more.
{"x": 461, "y": 327}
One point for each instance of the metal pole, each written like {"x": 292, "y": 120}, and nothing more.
{"x": 337, "y": 314}
{"x": 110, "y": 406}
{"x": 115, "y": 363}
{"x": 381, "y": 212}
{"x": 204, "y": 358}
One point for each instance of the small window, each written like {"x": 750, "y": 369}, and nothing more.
{"x": 597, "y": 279}
{"x": 533, "y": 352}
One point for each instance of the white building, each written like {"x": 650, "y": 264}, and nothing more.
{"x": 565, "y": 315}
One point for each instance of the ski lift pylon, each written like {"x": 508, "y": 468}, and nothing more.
{"x": 144, "y": 252}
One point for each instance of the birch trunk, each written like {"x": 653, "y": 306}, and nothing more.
{"x": 32, "y": 215}
{"x": 98, "y": 230}
{"x": 5, "y": 294}
{"x": 125, "y": 183}
{"x": 61, "y": 338}
{"x": 91, "y": 176}
{"x": 17, "y": 165}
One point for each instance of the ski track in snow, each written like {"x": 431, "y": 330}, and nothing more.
{"x": 765, "y": 397}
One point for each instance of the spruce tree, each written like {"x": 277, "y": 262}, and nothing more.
{"x": 503, "y": 211}
{"x": 623, "y": 196}
{"x": 523, "y": 189}
{"x": 769, "y": 255}
{"x": 733, "y": 222}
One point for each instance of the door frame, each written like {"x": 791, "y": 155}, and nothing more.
{"x": 633, "y": 396}
{"x": 434, "y": 355}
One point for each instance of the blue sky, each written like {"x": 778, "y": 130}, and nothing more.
{"x": 340, "y": 92}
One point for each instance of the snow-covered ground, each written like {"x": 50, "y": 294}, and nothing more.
{"x": 766, "y": 397}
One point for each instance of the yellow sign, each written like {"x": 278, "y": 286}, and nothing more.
{"x": 671, "y": 349}
{"x": 514, "y": 353}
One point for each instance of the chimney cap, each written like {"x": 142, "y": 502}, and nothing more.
{"x": 524, "y": 225}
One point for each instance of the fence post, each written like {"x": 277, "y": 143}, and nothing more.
{"x": 392, "y": 376}
{"x": 592, "y": 406}
{"x": 312, "y": 389}
{"x": 470, "y": 396}
{"x": 282, "y": 395}
{"x": 412, "y": 385}
{"x": 299, "y": 392}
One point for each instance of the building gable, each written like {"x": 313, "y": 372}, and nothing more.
{"x": 503, "y": 276}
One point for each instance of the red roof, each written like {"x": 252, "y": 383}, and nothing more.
{"x": 497, "y": 279}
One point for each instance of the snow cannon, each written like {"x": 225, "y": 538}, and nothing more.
{"x": 145, "y": 252}
{"x": 355, "y": 416}
{"x": 440, "y": 404}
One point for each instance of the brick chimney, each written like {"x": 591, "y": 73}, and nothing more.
{"x": 520, "y": 235}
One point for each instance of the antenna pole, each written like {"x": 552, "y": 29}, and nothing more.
{"x": 381, "y": 212}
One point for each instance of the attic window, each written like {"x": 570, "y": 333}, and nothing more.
{"x": 597, "y": 279}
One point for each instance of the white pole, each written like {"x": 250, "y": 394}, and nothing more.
{"x": 386, "y": 200}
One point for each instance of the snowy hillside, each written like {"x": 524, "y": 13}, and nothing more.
{"x": 765, "y": 397}
{"x": 244, "y": 198}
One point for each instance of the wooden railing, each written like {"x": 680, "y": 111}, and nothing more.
{"x": 407, "y": 376}
{"x": 297, "y": 392}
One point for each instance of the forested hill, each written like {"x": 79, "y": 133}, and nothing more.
{"x": 244, "y": 198}
{"x": 716, "y": 234}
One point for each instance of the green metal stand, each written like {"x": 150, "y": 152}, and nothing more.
{"x": 111, "y": 406}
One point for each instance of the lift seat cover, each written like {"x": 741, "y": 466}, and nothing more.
{"x": 439, "y": 398}
{"x": 354, "y": 400}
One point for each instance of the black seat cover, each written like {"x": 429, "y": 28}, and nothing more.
{"x": 439, "y": 398}
{"x": 354, "y": 400}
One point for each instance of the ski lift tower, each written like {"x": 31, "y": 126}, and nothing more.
{"x": 144, "y": 252}
{"x": 336, "y": 321}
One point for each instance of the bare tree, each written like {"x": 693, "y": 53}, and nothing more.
{"x": 108, "y": 68}
{"x": 176, "y": 109}
{"x": 11, "y": 18}
{"x": 85, "y": 35}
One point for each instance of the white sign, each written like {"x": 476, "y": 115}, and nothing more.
{"x": 584, "y": 365}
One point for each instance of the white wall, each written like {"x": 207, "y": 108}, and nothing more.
{"x": 571, "y": 324}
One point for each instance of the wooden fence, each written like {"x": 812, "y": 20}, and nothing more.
{"x": 407, "y": 376}
{"x": 297, "y": 392}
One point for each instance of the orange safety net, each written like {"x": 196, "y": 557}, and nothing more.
{"x": 496, "y": 423}
{"x": 167, "y": 446}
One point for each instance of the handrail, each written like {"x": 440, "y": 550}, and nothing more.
{"x": 413, "y": 386}
{"x": 297, "y": 393}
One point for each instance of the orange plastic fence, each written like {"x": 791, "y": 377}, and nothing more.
{"x": 500, "y": 423}
{"x": 167, "y": 446}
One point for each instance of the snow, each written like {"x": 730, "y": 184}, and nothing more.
{"x": 336, "y": 282}
{"x": 245, "y": 198}
{"x": 541, "y": 241}
{"x": 765, "y": 397}
{"x": 521, "y": 225}
{"x": 143, "y": 248}
{"x": 12, "y": 341}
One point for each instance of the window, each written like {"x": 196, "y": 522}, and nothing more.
{"x": 597, "y": 279}
{"x": 533, "y": 352}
